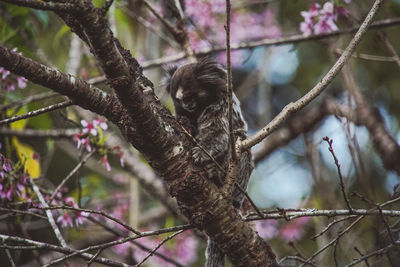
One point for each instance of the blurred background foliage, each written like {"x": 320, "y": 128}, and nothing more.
{"x": 299, "y": 175}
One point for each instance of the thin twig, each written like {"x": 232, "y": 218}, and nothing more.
{"x": 385, "y": 223}
{"x": 314, "y": 92}
{"x": 290, "y": 215}
{"x": 94, "y": 257}
{"x": 229, "y": 78}
{"x": 34, "y": 245}
{"x": 50, "y": 217}
{"x": 75, "y": 170}
{"x": 19, "y": 212}
{"x": 32, "y": 133}
{"x": 101, "y": 246}
{"x": 340, "y": 234}
{"x": 359, "y": 252}
{"x": 368, "y": 57}
{"x": 37, "y": 112}
{"x": 148, "y": 25}
{"x": 390, "y": 47}
{"x": 250, "y": 200}
{"x": 158, "y": 246}
{"x": 118, "y": 221}
{"x": 296, "y": 258}
{"x": 292, "y": 39}
{"x": 10, "y": 259}
{"x": 171, "y": 28}
{"x": 191, "y": 138}
{"x": 139, "y": 245}
{"x": 332, "y": 224}
{"x": 346, "y": 199}
{"x": 375, "y": 253}
{"x": 29, "y": 99}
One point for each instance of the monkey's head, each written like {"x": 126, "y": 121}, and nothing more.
{"x": 195, "y": 86}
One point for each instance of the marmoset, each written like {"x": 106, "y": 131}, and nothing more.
{"x": 200, "y": 97}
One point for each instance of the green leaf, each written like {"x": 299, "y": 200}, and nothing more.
{"x": 57, "y": 38}
{"x": 6, "y": 32}
{"x": 98, "y": 3}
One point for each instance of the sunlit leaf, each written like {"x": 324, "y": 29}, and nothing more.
{"x": 98, "y": 3}
{"x": 25, "y": 154}
{"x": 18, "y": 125}
{"x": 57, "y": 38}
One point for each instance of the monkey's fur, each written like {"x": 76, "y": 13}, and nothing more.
{"x": 200, "y": 97}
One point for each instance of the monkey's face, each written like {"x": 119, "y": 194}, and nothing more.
{"x": 195, "y": 86}
{"x": 190, "y": 97}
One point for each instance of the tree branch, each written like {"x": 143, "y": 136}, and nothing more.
{"x": 314, "y": 92}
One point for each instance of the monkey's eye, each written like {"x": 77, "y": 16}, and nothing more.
{"x": 188, "y": 99}
{"x": 189, "y": 103}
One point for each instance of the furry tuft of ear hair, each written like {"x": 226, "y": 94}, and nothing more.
{"x": 166, "y": 81}
{"x": 207, "y": 72}
{"x": 210, "y": 73}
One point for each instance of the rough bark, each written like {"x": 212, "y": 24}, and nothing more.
{"x": 149, "y": 127}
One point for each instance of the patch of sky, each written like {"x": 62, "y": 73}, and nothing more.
{"x": 281, "y": 63}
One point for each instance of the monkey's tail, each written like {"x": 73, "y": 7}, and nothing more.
{"x": 214, "y": 256}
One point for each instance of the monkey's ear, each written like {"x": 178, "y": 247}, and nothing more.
{"x": 166, "y": 81}
{"x": 210, "y": 73}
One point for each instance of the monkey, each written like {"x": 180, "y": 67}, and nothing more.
{"x": 200, "y": 96}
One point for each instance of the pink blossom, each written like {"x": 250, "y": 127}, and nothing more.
{"x": 9, "y": 194}
{"x": 267, "y": 229}
{"x": 328, "y": 9}
{"x": 306, "y": 28}
{"x": 80, "y": 218}
{"x": 65, "y": 220}
{"x": 10, "y": 87}
{"x": 324, "y": 26}
{"x": 78, "y": 139}
{"x": 21, "y": 82}
{"x": 6, "y": 165}
{"x": 4, "y": 72}
{"x": 89, "y": 128}
{"x": 99, "y": 122}
{"x": 295, "y": 230}
{"x": 69, "y": 201}
{"x": 82, "y": 141}
{"x": 86, "y": 142}
{"x": 104, "y": 160}
{"x": 20, "y": 188}
{"x": 321, "y": 20}
{"x": 26, "y": 177}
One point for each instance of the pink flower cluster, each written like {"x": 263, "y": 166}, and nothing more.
{"x": 319, "y": 20}
{"x": 209, "y": 17}
{"x": 292, "y": 231}
{"x": 92, "y": 136}
{"x": 8, "y": 82}
{"x": 182, "y": 248}
{"x": 66, "y": 219}
{"x": 13, "y": 181}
